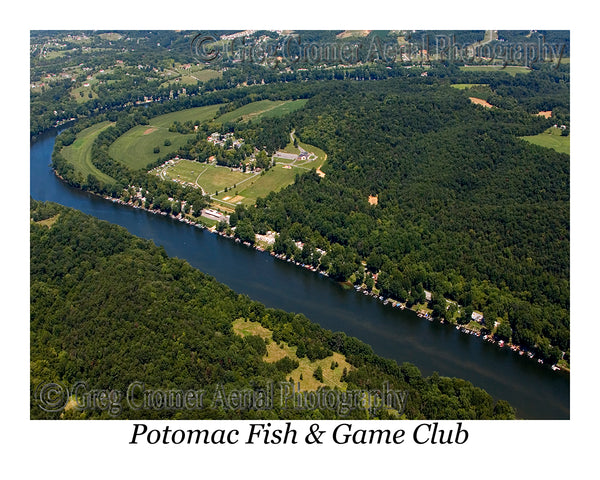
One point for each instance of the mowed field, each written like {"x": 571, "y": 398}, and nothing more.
{"x": 551, "y": 138}
{"x": 211, "y": 178}
{"x": 510, "y": 69}
{"x": 273, "y": 180}
{"x": 78, "y": 153}
{"x": 135, "y": 148}
{"x": 262, "y": 108}
{"x": 243, "y": 188}
{"x": 463, "y": 86}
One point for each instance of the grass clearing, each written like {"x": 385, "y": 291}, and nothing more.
{"x": 260, "y": 185}
{"x": 463, "y": 86}
{"x": 211, "y": 178}
{"x": 135, "y": 148}
{"x": 78, "y": 153}
{"x": 510, "y": 69}
{"x": 48, "y": 222}
{"x": 262, "y": 108}
{"x": 306, "y": 368}
{"x": 553, "y": 139}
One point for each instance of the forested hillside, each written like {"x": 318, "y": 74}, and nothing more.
{"x": 109, "y": 309}
{"x": 465, "y": 208}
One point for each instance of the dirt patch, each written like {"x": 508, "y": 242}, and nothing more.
{"x": 545, "y": 114}
{"x": 353, "y": 33}
{"x": 150, "y": 130}
{"x": 479, "y": 101}
{"x": 237, "y": 198}
{"x": 373, "y": 200}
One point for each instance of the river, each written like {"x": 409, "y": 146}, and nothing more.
{"x": 536, "y": 391}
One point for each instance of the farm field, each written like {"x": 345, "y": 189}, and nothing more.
{"x": 553, "y": 139}
{"x": 510, "y": 69}
{"x": 262, "y": 108}
{"x": 135, "y": 148}
{"x": 211, "y": 178}
{"x": 463, "y": 86}
{"x": 242, "y": 188}
{"x": 78, "y": 153}
{"x": 273, "y": 180}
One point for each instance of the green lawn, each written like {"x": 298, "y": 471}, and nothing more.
{"x": 510, "y": 69}
{"x": 210, "y": 177}
{"x": 551, "y": 138}
{"x": 272, "y": 181}
{"x": 78, "y": 153}
{"x": 463, "y": 86}
{"x": 262, "y": 108}
{"x": 135, "y": 148}
{"x": 202, "y": 114}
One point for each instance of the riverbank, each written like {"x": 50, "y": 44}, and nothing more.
{"x": 360, "y": 289}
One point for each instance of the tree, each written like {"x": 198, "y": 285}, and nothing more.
{"x": 318, "y": 374}
{"x": 244, "y": 231}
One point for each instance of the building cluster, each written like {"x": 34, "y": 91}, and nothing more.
{"x": 217, "y": 139}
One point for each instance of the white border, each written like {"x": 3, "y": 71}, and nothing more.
{"x": 99, "y": 449}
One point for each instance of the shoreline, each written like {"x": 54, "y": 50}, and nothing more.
{"x": 521, "y": 351}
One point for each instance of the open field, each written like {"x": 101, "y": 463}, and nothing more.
{"x": 76, "y": 94}
{"x": 463, "y": 86}
{"x": 275, "y": 352}
{"x": 553, "y": 139}
{"x": 211, "y": 178}
{"x": 48, "y": 222}
{"x": 259, "y": 186}
{"x": 510, "y": 69}
{"x": 135, "y": 148}
{"x": 78, "y": 153}
{"x": 202, "y": 114}
{"x": 262, "y": 108}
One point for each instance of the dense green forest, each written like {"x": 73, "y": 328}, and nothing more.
{"x": 109, "y": 309}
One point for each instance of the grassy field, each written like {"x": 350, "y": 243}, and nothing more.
{"x": 553, "y": 139}
{"x": 78, "y": 153}
{"x": 275, "y": 352}
{"x": 211, "y": 178}
{"x": 259, "y": 186}
{"x": 76, "y": 94}
{"x": 262, "y": 108}
{"x": 192, "y": 114}
{"x": 242, "y": 188}
{"x": 463, "y": 86}
{"x": 135, "y": 148}
{"x": 510, "y": 69}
